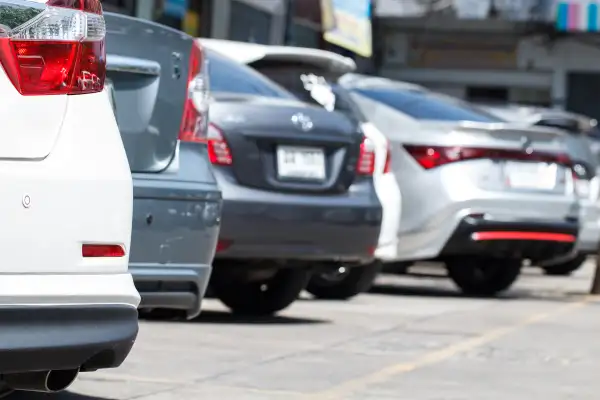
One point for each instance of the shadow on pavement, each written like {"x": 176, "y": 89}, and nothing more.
{"x": 54, "y": 396}
{"x": 401, "y": 289}
{"x": 225, "y": 317}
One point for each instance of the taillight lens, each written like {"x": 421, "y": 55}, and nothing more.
{"x": 195, "y": 112}
{"x": 61, "y": 50}
{"x": 218, "y": 149}
{"x": 387, "y": 168}
{"x": 366, "y": 158}
{"x": 434, "y": 156}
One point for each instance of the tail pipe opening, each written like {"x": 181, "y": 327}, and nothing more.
{"x": 41, "y": 381}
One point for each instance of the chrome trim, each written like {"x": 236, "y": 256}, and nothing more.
{"x": 115, "y": 63}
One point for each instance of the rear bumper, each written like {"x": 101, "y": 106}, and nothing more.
{"x": 36, "y": 338}
{"x": 176, "y": 287}
{"x": 589, "y": 235}
{"x": 525, "y": 239}
{"x": 267, "y": 225}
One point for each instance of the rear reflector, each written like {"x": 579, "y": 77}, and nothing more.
{"x": 366, "y": 158}
{"x": 102, "y": 250}
{"x": 434, "y": 156}
{"x": 508, "y": 235}
{"x": 60, "y": 50}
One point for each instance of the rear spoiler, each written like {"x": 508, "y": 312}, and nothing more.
{"x": 248, "y": 53}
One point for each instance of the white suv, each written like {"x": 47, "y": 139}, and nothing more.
{"x": 67, "y": 301}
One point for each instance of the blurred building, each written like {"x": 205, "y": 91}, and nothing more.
{"x": 544, "y": 52}
{"x": 345, "y": 27}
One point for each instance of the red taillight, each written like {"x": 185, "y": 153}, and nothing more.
{"x": 102, "y": 250}
{"x": 59, "y": 51}
{"x": 195, "y": 112}
{"x": 388, "y": 160}
{"x": 433, "y": 156}
{"x": 91, "y": 6}
{"x": 218, "y": 149}
{"x": 366, "y": 158}
{"x": 223, "y": 245}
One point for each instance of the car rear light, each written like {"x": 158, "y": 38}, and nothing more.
{"x": 366, "y": 158}
{"x": 102, "y": 250}
{"x": 195, "y": 111}
{"x": 59, "y": 50}
{"x": 434, "y": 156}
{"x": 388, "y": 160}
{"x": 218, "y": 149}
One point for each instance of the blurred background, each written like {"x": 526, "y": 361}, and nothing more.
{"x": 537, "y": 52}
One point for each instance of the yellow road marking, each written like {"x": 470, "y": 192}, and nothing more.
{"x": 345, "y": 389}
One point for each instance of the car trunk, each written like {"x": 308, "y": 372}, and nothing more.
{"x": 284, "y": 145}
{"x": 148, "y": 69}
{"x": 522, "y": 159}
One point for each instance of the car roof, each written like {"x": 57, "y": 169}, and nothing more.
{"x": 355, "y": 80}
{"x": 248, "y": 53}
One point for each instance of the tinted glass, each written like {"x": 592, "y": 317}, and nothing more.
{"x": 311, "y": 85}
{"x": 226, "y": 75}
{"x": 425, "y": 105}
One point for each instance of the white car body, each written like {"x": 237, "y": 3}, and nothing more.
{"x": 386, "y": 185}
{"x": 66, "y": 295}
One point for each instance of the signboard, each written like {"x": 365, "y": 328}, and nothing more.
{"x": 578, "y": 16}
{"x": 347, "y": 23}
{"x": 175, "y": 8}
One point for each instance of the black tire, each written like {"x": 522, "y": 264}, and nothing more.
{"x": 259, "y": 298}
{"x": 483, "y": 276}
{"x": 356, "y": 280}
{"x": 565, "y": 268}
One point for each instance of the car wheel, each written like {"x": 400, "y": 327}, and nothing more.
{"x": 565, "y": 268}
{"x": 483, "y": 276}
{"x": 259, "y": 297}
{"x": 342, "y": 285}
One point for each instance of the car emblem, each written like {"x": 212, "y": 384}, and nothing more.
{"x": 526, "y": 144}
{"x": 302, "y": 122}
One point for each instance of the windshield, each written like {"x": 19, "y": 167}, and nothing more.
{"x": 226, "y": 75}
{"x": 425, "y": 105}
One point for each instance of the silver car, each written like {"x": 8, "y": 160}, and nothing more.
{"x": 582, "y": 149}
{"x": 479, "y": 194}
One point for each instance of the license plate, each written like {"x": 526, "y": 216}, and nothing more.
{"x": 300, "y": 163}
{"x": 538, "y": 176}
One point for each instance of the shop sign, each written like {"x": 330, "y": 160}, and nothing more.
{"x": 347, "y": 23}
{"x": 175, "y": 8}
{"x": 578, "y": 16}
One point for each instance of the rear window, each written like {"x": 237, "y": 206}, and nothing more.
{"x": 425, "y": 105}
{"x": 226, "y": 75}
{"x": 310, "y": 84}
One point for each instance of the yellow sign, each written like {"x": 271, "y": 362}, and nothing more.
{"x": 347, "y": 23}
{"x": 191, "y": 23}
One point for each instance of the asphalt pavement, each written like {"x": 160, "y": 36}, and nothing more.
{"x": 411, "y": 338}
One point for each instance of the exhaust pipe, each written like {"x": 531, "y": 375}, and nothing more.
{"x": 42, "y": 381}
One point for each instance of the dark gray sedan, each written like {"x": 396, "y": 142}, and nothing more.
{"x": 159, "y": 97}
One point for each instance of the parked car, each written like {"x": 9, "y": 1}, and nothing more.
{"x": 68, "y": 303}
{"x": 580, "y": 148}
{"x": 479, "y": 194}
{"x": 161, "y": 103}
{"x": 297, "y": 185}
{"x": 311, "y": 75}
